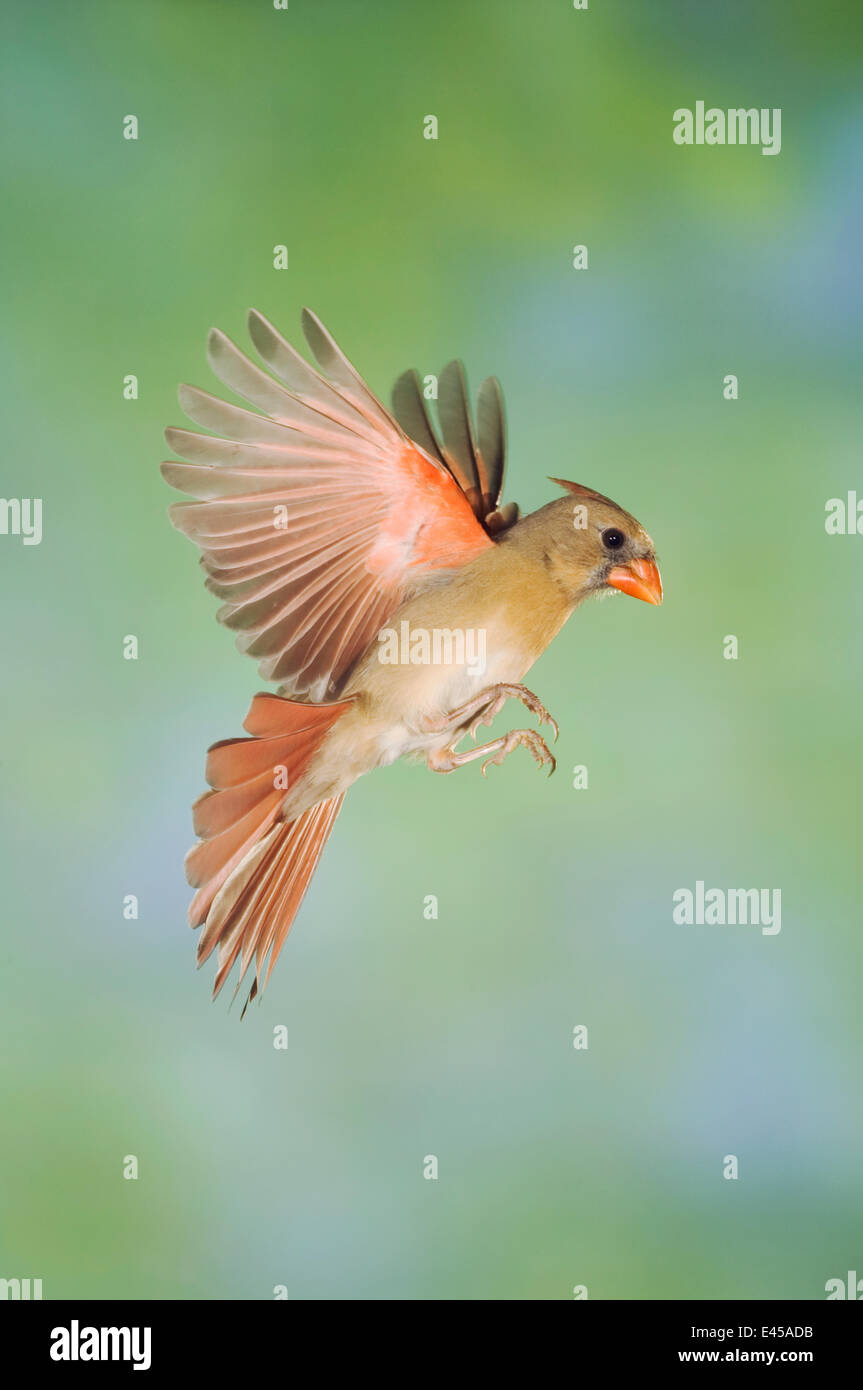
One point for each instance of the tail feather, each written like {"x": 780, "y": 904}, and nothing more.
{"x": 235, "y": 893}
{"x": 210, "y": 856}
{"x": 238, "y": 760}
{"x": 200, "y": 904}
{"x": 251, "y": 868}
{"x": 311, "y": 838}
{"x": 216, "y": 811}
{"x": 256, "y": 921}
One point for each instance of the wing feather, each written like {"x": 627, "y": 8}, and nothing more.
{"x": 457, "y": 429}
{"x": 476, "y": 457}
{"x": 412, "y": 414}
{"x": 316, "y": 518}
{"x": 491, "y": 437}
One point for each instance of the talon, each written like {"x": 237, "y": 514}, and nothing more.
{"x": 538, "y": 708}
{"x": 486, "y": 717}
{"x": 546, "y": 718}
{"x": 495, "y": 758}
{"x": 554, "y": 724}
{"x": 484, "y": 709}
{"x": 480, "y": 719}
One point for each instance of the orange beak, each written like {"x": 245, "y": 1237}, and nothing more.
{"x": 640, "y": 578}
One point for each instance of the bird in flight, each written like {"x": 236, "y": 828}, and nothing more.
{"x": 364, "y": 557}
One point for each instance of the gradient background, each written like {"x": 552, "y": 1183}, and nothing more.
{"x": 453, "y": 1037}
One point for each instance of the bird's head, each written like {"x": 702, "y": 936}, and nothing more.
{"x": 597, "y": 546}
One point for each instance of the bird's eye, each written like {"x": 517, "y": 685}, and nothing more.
{"x": 613, "y": 539}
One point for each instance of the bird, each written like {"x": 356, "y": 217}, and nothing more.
{"x": 357, "y": 550}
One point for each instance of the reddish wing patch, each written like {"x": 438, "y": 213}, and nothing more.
{"x": 315, "y": 519}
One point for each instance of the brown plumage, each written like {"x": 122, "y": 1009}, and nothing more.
{"x": 337, "y": 533}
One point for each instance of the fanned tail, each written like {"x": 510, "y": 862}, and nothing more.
{"x": 252, "y": 913}
{"x": 251, "y": 868}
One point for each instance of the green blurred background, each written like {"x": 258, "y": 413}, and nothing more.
{"x": 451, "y": 1037}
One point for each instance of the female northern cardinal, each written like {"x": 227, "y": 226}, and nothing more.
{"x": 359, "y": 552}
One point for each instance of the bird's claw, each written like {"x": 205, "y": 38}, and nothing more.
{"x": 526, "y": 738}
{"x": 538, "y": 708}
{"x": 487, "y": 716}
{"x": 528, "y": 699}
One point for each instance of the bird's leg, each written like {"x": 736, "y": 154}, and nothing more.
{"x": 500, "y": 694}
{"x": 447, "y": 759}
{"x": 488, "y": 704}
{"x": 483, "y": 708}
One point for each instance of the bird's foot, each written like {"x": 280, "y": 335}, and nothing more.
{"x": 447, "y": 759}
{"x": 525, "y": 738}
{"x": 498, "y": 697}
{"x": 484, "y": 708}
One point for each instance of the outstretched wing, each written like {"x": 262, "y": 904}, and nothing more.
{"x": 316, "y": 518}
{"x": 475, "y": 457}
